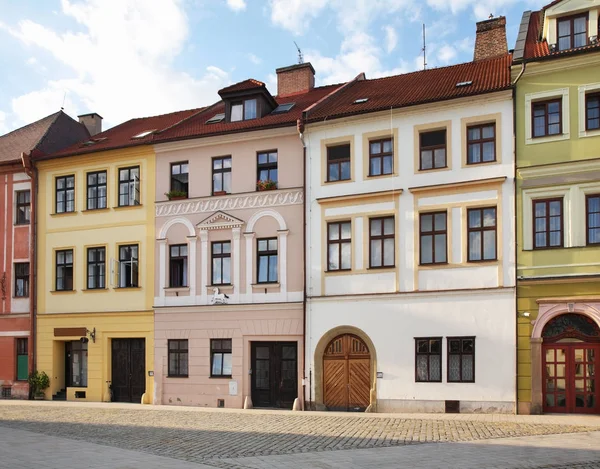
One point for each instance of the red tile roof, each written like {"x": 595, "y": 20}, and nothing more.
{"x": 249, "y": 84}
{"x": 437, "y": 84}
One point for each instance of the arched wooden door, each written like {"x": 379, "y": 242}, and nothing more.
{"x": 347, "y": 374}
{"x": 571, "y": 357}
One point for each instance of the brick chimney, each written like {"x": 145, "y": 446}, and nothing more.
{"x": 92, "y": 121}
{"x": 491, "y": 38}
{"x": 295, "y": 79}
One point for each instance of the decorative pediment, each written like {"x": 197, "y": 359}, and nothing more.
{"x": 219, "y": 221}
{"x": 570, "y": 6}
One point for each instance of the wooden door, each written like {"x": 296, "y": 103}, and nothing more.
{"x": 347, "y": 374}
{"x": 274, "y": 381}
{"x": 128, "y": 369}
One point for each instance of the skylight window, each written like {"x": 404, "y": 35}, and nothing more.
{"x": 360, "y": 100}
{"x": 464, "y": 83}
{"x": 282, "y": 108}
{"x": 94, "y": 140}
{"x": 143, "y": 134}
{"x": 216, "y": 118}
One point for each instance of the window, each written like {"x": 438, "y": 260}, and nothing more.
{"x": 129, "y": 186}
{"x": 338, "y": 163}
{"x": 96, "y": 190}
{"x": 593, "y": 218}
{"x": 23, "y": 207}
{"x": 128, "y": 266}
{"x": 64, "y": 270}
{"x": 547, "y": 223}
{"x": 481, "y": 143}
{"x": 222, "y": 175}
{"x": 179, "y": 177}
{"x": 339, "y": 246}
{"x": 96, "y": 270}
{"x": 22, "y": 359}
{"x": 381, "y": 157}
{"x": 461, "y": 359}
{"x": 382, "y": 240}
{"x": 77, "y": 356}
{"x": 178, "y": 358}
{"x": 434, "y": 238}
{"x": 22, "y": 280}
{"x": 65, "y": 194}
{"x": 592, "y": 111}
{"x": 547, "y": 119}
{"x": 178, "y": 266}
{"x": 243, "y": 110}
{"x": 267, "y": 260}
{"x": 221, "y": 263}
{"x": 267, "y": 168}
{"x": 237, "y": 111}
{"x": 433, "y": 149}
{"x": 250, "y": 109}
{"x": 482, "y": 234}
{"x": 572, "y": 32}
{"x": 220, "y": 358}
{"x": 428, "y": 360}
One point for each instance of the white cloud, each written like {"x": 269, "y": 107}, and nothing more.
{"x": 446, "y": 54}
{"x": 236, "y": 5}
{"x": 31, "y": 61}
{"x": 481, "y": 8}
{"x": 254, "y": 59}
{"x": 120, "y": 65}
{"x": 391, "y": 38}
{"x": 3, "y": 126}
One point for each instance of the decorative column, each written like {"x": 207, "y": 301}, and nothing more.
{"x": 192, "y": 266}
{"x": 536, "y": 376}
{"x": 204, "y": 266}
{"x": 282, "y": 248}
{"x": 162, "y": 270}
{"x": 237, "y": 265}
{"x": 249, "y": 263}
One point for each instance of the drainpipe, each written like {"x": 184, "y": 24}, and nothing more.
{"x": 300, "y": 127}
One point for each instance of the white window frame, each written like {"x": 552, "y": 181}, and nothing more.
{"x": 583, "y": 90}
{"x": 543, "y": 96}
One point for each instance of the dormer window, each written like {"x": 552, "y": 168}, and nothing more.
{"x": 572, "y": 32}
{"x": 243, "y": 110}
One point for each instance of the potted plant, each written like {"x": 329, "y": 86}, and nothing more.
{"x": 266, "y": 185}
{"x": 38, "y": 382}
{"x": 176, "y": 195}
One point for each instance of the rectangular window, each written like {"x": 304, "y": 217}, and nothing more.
{"x": 482, "y": 234}
{"x": 64, "y": 270}
{"x": 220, "y": 358}
{"x": 267, "y": 170}
{"x": 381, "y": 157}
{"x": 22, "y": 279}
{"x": 547, "y": 118}
{"x": 382, "y": 240}
{"x": 434, "y": 238}
{"x": 338, "y": 163}
{"x": 96, "y": 190}
{"x": 221, "y": 175}
{"x": 178, "y": 358}
{"x": 481, "y": 143}
{"x": 23, "y": 207}
{"x": 129, "y": 186}
{"x": 128, "y": 266}
{"x": 65, "y": 194}
{"x": 96, "y": 270}
{"x": 593, "y": 218}
{"x": 572, "y": 32}
{"x": 250, "y": 109}
{"x": 22, "y": 359}
{"x": 267, "y": 260}
{"x": 432, "y": 149}
{"x": 461, "y": 359}
{"x": 243, "y": 110}
{"x": 179, "y": 177}
{"x": 592, "y": 111}
{"x": 178, "y": 266}
{"x": 339, "y": 246}
{"x": 428, "y": 360}
{"x": 547, "y": 223}
{"x": 221, "y": 263}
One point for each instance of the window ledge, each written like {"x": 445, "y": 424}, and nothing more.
{"x": 177, "y": 289}
{"x": 126, "y": 288}
{"x": 94, "y": 290}
{"x": 91, "y": 210}
{"x": 553, "y": 138}
{"x": 177, "y": 376}
{"x": 228, "y": 287}
{"x": 385, "y": 268}
{"x": 63, "y": 292}
{"x": 379, "y": 176}
{"x": 481, "y": 163}
{"x": 127, "y": 207}
{"x": 431, "y": 170}
{"x": 64, "y": 214}
{"x": 589, "y": 133}
{"x": 220, "y": 377}
{"x": 270, "y": 285}
{"x": 341, "y": 181}
{"x": 22, "y": 224}
{"x": 20, "y": 297}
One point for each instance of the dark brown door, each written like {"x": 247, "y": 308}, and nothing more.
{"x": 128, "y": 369}
{"x": 570, "y": 379}
{"x": 274, "y": 380}
{"x": 347, "y": 374}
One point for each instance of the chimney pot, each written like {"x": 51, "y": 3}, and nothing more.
{"x": 295, "y": 79}
{"x": 491, "y": 39}
{"x": 92, "y": 122}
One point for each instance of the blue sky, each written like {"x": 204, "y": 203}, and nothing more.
{"x": 133, "y": 58}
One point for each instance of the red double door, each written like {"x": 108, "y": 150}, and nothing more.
{"x": 570, "y": 378}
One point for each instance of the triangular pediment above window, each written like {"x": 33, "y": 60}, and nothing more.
{"x": 568, "y": 6}
{"x": 220, "y": 221}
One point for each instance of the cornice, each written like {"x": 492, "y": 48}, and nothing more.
{"x": 569, "y": 167}
{"x": 231, "y": 202}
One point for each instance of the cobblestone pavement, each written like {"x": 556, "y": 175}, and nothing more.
{"x": 254, "y": 439}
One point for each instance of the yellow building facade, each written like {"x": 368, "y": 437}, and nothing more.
{"x": 95, "y": 325}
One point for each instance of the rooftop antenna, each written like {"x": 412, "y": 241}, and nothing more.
{"x": 62, "y": 108}
{"x": 424, "y": 50}
{"x": 300, "y": 54}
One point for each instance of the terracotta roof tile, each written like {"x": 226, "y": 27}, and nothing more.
{"x": 249, "y": 84}
{"x": 421, "y": 87}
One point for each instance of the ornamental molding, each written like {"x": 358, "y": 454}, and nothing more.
{"x": 219, "y": 221}
{"x": 215, "y": 204}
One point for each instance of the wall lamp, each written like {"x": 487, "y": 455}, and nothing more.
{"x": 92, "y": 335}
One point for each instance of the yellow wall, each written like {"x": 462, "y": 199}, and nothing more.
{"x": 114, "y": 312}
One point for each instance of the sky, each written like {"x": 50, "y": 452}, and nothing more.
{"x": 134, "y": 58}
